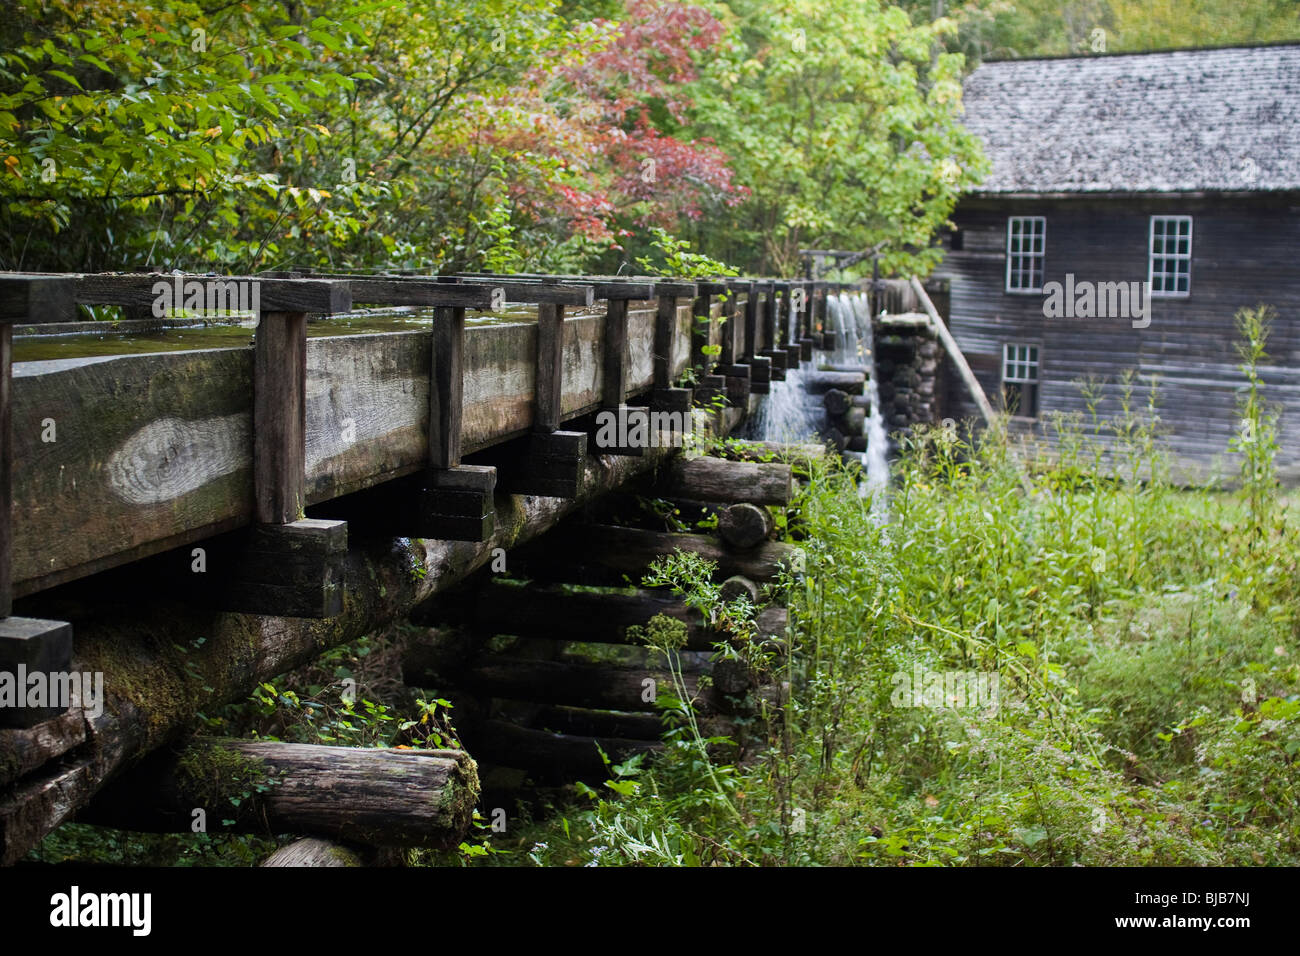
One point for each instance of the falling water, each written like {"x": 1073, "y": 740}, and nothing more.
{"x": 874, "y": 457}
{"x": 788, "y": 414}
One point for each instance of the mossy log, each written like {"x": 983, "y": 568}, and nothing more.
{"x": 607, "y": 552}
{"x": 360, "y": 795}
{"x": 598, "y": 615}
{"x": 717, "y": 479}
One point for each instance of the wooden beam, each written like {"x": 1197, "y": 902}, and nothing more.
{"x": 664, "y": 338}
{"x": 538, "y": 293}
{"x": 954, "y": 352}
{"x": 446, "y": 392}
{"x": 615, "y": 551}
{"x": 614, "y": 365}
{"x": 31, "y": 646}
{"x": 6, "y": 465}
{"x": 142, "y": 291}
{"x": 295, "y": 569}
{"x": 550, "y": 366}
{"x": 280, "y": 417}
{"x": 153, "y": 689}
{"x": 420, "y": 292}
{"x": 30, "y": 299}
{"x": 314, "y": 852}
{"x": 602, "y": 616}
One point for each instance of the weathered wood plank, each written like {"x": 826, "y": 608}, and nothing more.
{"x": 665, "y": 336}
{"x": 280, "y": 417}
{"x": 31, "y": 299}
{"x": 274, "y": 295}
{"x": 6, "y": 464}
{"x": 420, "y": 292}
{"x": 447, "y": 394}
{"x": 550, "y": 367}
{"x": 614, "y": 354}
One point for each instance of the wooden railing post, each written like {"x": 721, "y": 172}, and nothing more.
{"x": 737, "y": 381}
{"x": 292, "y": 565}
{"x": 30, "y": 644}
{"x": 760, "y": 366}
{"x": 555, "y": 460}
{"x": 455, "y": 501}
{"x": 666, "y": 397}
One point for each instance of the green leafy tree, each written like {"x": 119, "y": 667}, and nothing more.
{"x": 843, "y": 121}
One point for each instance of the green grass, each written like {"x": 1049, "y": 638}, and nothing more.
{"x": 1145, "y": 642}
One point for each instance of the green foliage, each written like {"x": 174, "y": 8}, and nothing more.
{"x": 842, "y": 121}
{"x": 1256, "y": 439}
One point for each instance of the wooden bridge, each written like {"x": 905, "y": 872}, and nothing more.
{"x": 191, "y": 523}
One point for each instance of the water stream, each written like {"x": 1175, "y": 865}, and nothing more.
{"x": 788, "y": 414}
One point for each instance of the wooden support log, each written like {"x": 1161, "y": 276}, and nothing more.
{"x": 819, "y": 382}
{"x": 24, "y": 750}
{"x": 553, "y": 757}
{"x": 600, "y": 616}
{"x": 280, "y": 417}
{"x": 854, "y": 421}
{"x": 738, "y": 586}
{"x": 716, "y": 479}
{"x": 801, "y": 454}
{"x": 367, "y": 796}
{"x": 617, "y": 551}
{"x": 600, "y": 686}
{"x": 313, "y": 852}
{"x": 744, "y": 525}
{"x": 837, "y": 402}
{"x": 601, "y": 724}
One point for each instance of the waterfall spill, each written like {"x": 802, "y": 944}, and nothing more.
{"x": 788, "y": 414}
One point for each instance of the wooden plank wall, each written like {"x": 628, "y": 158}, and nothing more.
{"x": 1245, "y": 251}
{"x": 154, "y": 451}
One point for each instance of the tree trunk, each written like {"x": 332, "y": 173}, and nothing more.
{"x": 366, "y": 796}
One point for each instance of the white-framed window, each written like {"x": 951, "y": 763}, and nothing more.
{"x": 1026, "y": 245}
{"x": 1169, "y": 262}
{"x": 1020, "y": 379}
